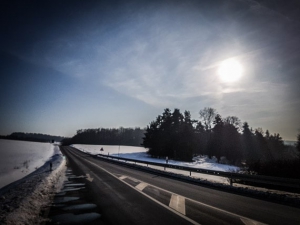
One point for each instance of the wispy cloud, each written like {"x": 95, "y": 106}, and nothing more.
{"x": 162, "y": 60}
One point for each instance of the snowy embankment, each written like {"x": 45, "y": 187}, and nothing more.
{"x": 140, "y": 153}
{"x": 33, "y": 184}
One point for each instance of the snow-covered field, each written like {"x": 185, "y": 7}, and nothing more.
{"x": 27, "y": 184}
{"x": 20, "y": 158}
{"x": 140, "y": 153}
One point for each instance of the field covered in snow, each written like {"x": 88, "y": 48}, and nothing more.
{"x": 140, "y": 153}
{"x": 20, "y": 158}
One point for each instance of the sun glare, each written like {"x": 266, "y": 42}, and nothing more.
{"x": 230, "y": 70}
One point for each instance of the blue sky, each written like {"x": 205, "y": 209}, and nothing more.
{"x": 68, "y": 66}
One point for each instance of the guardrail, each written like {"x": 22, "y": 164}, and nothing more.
{"x": 259, "y": 179}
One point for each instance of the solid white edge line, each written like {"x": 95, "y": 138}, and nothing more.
{"x": 166, "y": 207}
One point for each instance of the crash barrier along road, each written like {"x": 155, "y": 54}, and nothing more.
{"x": 122, "y": 192}
{"x": 274, "y": 181}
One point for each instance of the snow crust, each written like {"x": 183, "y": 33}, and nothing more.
{"x": 20, "y": 158}
{"x": 140, "y": 153}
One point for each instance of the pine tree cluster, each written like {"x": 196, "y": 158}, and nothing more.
{"x": 176, "y": 136}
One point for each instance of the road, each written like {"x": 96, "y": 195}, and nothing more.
{"x": 128, "y": 196}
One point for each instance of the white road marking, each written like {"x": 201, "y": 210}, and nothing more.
{"x": 122, "y": 177}
{"x": 243, "y": 219}
{"x": 177, "y": 202}
{"x": 161, "y": 204}
{"x": 133, "y": 179}
{"x": 141, "y": 186}
{"x": 247, "y": 221}
{"x": 89, "y": 178}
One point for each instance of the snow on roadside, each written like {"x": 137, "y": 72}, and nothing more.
{"x": 23, "y": 201}
{"x": 109, "y": 149}
{"x": 140, "y": 153}
{"x": 202, "y": 162}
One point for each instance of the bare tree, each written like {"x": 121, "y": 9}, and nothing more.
{"x": 207, "y": 116}
{"x": 233, "y": 120}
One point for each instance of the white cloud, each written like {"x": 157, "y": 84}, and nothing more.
{"x": 160, "y": 61}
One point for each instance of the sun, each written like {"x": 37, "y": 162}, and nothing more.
{"x": 230, "y": 70}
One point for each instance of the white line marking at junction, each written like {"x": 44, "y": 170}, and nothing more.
{"x": 245, "y": 220}
{"x": 122, "y": 177}
{"x": 177, "y": 202}
{"x": 89, "y": 178}
{"x": 141, "y": 186}
{"x": 166, "y": 207}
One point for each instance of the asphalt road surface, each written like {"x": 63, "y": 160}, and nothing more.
{"x": 128, "y": 196}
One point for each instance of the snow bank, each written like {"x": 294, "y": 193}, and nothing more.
{"x": 23, "y": 201}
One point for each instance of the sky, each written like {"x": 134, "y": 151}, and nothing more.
{"x": 69, "y": 65}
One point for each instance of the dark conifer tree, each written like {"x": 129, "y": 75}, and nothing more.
{"x": 232, "y": 143}
{"x": 186, "y": 144}
{"x": 298, "y": 143}
{"x": 249, "y": 149}
{"x": 215, "y": 146}
{"x": 261, "y": 143}
{"x": 276, "y": 146}
{"x": 151, "y": 139}
{"x": 172, "y": 135}
{"x": 201, "y": 139}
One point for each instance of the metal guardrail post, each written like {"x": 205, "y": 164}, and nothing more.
{"x": 277, "y": 181}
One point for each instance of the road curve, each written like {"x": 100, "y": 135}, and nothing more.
{"x": 128, "y": 196}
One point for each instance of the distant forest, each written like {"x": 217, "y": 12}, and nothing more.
{"x": 176, "y": 135}
{"x": 108, "y": 136}
{"x": 32, "y": 137}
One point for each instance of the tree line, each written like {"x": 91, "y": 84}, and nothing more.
{"x": 35, "y": 137}
{"x": 176, "y": 135}
{"x": 107, "y": 136}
